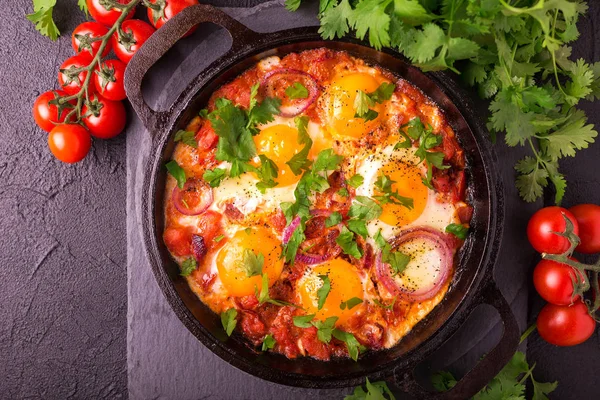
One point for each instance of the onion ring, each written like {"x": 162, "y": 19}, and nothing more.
{"x": 193, "y": 185}
{"x": 295, "y": 106}
{"x": 384, "y": 273}
{"x": 287, "y": 232}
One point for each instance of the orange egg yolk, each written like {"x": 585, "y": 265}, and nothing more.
{"x": 279, "y": 143}
{"x": 339, "y": 105}
{"x": 408, "y": 183}
{"x": 230, "y": 260}
{"x": 345, "y": 284}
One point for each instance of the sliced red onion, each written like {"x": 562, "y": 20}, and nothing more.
{"x": 320, "y": 213}
{"x": 296, "y": 106}
{"x": 198, "y": 247}
{"x": 440, "y": 242}
{"x": 201, "y": 189}
{"x": 311, "y": 259}
{"x": 287, "y": 232}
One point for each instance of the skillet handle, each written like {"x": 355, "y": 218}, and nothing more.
{"x": 162, "y": 40}
{"x": 487, "y": 368}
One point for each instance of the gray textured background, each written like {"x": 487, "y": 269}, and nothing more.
{"x": 63, "y": 276}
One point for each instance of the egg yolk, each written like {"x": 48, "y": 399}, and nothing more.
{"x": 339, "y": 105}
{"x": 408, "y": 183}
{"x": 230, "y": 260}
{"x": 279, "y": 143}
{"x": 345, "y": 284}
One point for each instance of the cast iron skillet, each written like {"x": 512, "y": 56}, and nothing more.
{"x": 472, "y": 284}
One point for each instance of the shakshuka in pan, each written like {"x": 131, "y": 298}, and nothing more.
{"x": 317, "y": 204}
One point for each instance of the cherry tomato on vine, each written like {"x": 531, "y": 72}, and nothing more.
{"x": 104, "y": 16}
{"x": 45, "y": 114}
{"x": 588, "y": 219}
{"x": 554, "y": 282}
{"x": 542, "y": 225}
{"x": 82, "y": 37}
{"x": 104, "y": 118}
{"x": 133, "y": 35}
{"x": 68, "y": 79}
{"x": 168, "y": 9}
{"x": 69, "y": 143}
{"x": 565, "y": 325}
{"x": 108, "y": 79}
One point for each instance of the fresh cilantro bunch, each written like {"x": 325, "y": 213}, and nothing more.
{"x": 516, "y": 53}
{"x": 42, "y": 17}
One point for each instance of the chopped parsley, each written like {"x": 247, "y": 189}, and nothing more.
{"x": 363, "y": 100}
{"x": 219, "y": 238}
{"x": 353, "y": 346}
{"x": 375, "y": 391}
{"x": 350, "y": 304}
{"x": 214, "y": 176}
{"x": 303, "y": 321}
{"x": 229, "y": 321}
{"x": 176, "y": 172}
{"x": 323, "y": 291}
{"x": 296, "y": 91}
{"x": 387, "y": 307}
{"x": 333, "y": 219}
{"x": 300, "y": 161}
{"x": 252, "y": 263}
{"x": 324, "y": 328}
{"x": 268, "y": 342}
{"x": 188, "y": 266}
{"x": 395, "y": 259}
{"x": 384, "y": 185}
{"x": 263, "y": 295}
{"x": 348, "y": 244}
{"x": 355, "y": 181}
{"x": 266, "y": 173}
{"x": 458, "y": 230}
{"x": 186, "y": 137}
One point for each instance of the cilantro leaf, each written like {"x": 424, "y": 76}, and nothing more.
{"x": 370, "y": 17}
{"x": 176, "y": 172}
{"x": 364, "y": 208}
{"x": 293, "y": 244}
{"x": 264, "y": 112}
{"x": 375, "y": 390}
{"x": 325, "y": 328}
{"x": 351, "y": 343}
{"x": 83, "y": 6}
{"x": 351, "y": 303}
{"x": 186, "y": 137}
{"x": 333, "y": 219}
{"x": 188, "y": 266}
{"x": 263, "y": 295}
{"x": 42, "y": 18}
{"x": 443, "y": 381}
{"x": 303, "y": 321}
{"x": 384, "y": 185}
{"x": 323, "y": 291}
{"x": 302, "y": 126}
{"x": 296, "y": 91}
{"x": 355, "y": 181}
{"x": 364, "y": 100}
{"x": 397, "y": 261}
{"x": 326, "y": 160}
{"x": 292, "y": 5}
{"x": 458, "y": 230}
{"x": 252, "y": 263}
{"x": 346, "y": 241}
{"x": 266, "y": 173}
{"x": 358, "y": 226}
{"x": 268, "y": 342}
{"x": 335, "y": 20}
{"x": 229, "y": 321}
{"x": 214, "y": 176}
{"x": 300, "y": 161}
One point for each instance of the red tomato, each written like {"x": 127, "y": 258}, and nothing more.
{"x": 553, "y": 281}
{"x": 135, "y": 33}
{"x": 542, "y": 225}
{"x": 104, "y": 16}
{"x": 72, "y": 85}
{"x": 178, "y": 241}
{"x": 170, "y": 9}
{"x": 206, "y": 137}
{"x": 106, "y": 118}
{"x": 565, "y": 325}
{"x": 80, "y": 39}
{"x": 588, "y": 219}
{"x": 108, "y": 80}
{"x": 69, "y": 143}
{"x": 209, "y": 226}
{"x": 46, "y": 114}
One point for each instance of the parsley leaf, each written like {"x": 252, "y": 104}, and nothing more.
{"x": 350, "y": 304}
{"x": 397, "y": 261}
{"x": 387, "y": 307}
{"x": 188, "y": 266}
{"x": 458, "y": 230}
{"x": 266, "y": 173}
{"x": 186, "y": 137}
{"x": 355, "y": 181}
{"x": 303, "y": 321}
{"x": 333, "y": 219}
{"x": 364, "y": 208}
{"x": 42, "y": 18}
{"x": 326, "y": 160}
{"x": 252, "y": 263}
{"x": 296, "y": 91}
{"x": 292, "y": 5}
{"x": 363, "y": 100}
{"x": 346, "y": 241}
{"x": 83, "y": 6}
{"x": 375, "y": 390}
{"x": 263, "y": 113}
{"x": 229, "y": 321}
{"x": 384, "y": 185}
{"x": 268, "y": 342}
{"x": 323, "y": 291}
{"x": 214, "y": 177}
{"x": 351, "y": 343}
{"x": 176, "y": 172}
{"x": 325, "y": 328}
{"x": 263, "y": 295}
{"x": 219, "y": 238}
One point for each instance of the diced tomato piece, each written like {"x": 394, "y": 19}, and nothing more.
{"x": 248, "y": 302}
{"x": 209, "y": 226}
{"x": 206, "y": 137}
{"x": 252, "y": 326}
{"x": 460, "y": 185}
{"x": 179, "y": 241}
{"x": 313, "y": 346}
{"x": 465, "y": 214}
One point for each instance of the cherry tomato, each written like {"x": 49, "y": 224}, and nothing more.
{"x": 104, "y": 118}
{"x": 554, "y": 282}
{"x": 46, "y": 114}
{"x": 179, "y": 241}
{"x": 565, "y": 325}
{"x": 542, "y": 225}
{"x": 73, "y": 85}
{"x": 134, "y": 34}
{"x": 108, "y": 80}
{"x": 104, "y": 16}
{"x": 69, "y": 143}
{"x": 588, "y": 219}
{"x": 171, "y": 8}
{"x": 80, "y": 39}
